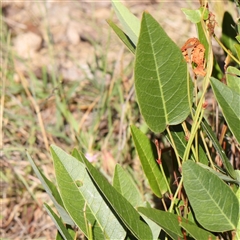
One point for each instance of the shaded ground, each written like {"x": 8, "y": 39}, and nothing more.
{"x": 66, "y": 80}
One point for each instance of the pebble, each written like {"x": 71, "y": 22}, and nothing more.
{"x": 73, "y": 33}
{"x": 27, "y": 44}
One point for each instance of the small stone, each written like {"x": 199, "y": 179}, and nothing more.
{"x": 27, "y": 44}
{"x": 73, "y": 34}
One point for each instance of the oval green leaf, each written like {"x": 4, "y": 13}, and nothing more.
{"x": 70, "y": 172}
{"x": 214, "y": 204}
{"x": 160, "y": 77}
{"x": 122, "y": 208}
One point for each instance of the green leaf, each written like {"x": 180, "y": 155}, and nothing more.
{"x": 195, "y": 16}
{"x": 59, "y": 224}
{"x": 233, "y": 79}
{"x": 156, "y": 229}
{"x": 169, "y": 222}
{"x": 160, "y": 77}
{"x": 52, "y": 192}
{"x": 130, "y": 23}
{"x": 196, "y": 232}
{"x": 77, "y": 189}
{"x": 125, "y": 39}
{"x": 213, "y": 138}
{"x": 214, "y": 204}
{"x": 125, "y": 211}
{"x": 76, "y": 154}
{"x": 192, "y": 15}
{"x": 71, "y": 196}
{"x": 229, "y": 101}
{"x": 59, "y": 236}
{"x": 148, "y": 155}
{"x": 153, "y": 226}
{"x": 125, "y": 185}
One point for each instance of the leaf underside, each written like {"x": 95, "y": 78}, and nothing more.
{"x": 160, "y": 77}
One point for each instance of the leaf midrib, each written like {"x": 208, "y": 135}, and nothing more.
{"x": 158, "y": 78}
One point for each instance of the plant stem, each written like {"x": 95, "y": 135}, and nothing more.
{"x": 175, "y": 195}
{"x": 199, "y": 111}
{"x": 189, "y": 94}
{"x": 195, "y": 126}
{"x": 196, "y": 147}
{"x": 187, "y": 134}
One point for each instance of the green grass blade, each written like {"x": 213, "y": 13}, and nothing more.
{"x": 130, "y": 23}
{"x": 59, "y": 224}
{"x": 214, "y": 204}
{"x": 125, "y": 185}
{"x": 125, "y": 211}
{"x": 148, "y": 155}
{"x": 229, "y": 101}
{"x": 160, "y": 77}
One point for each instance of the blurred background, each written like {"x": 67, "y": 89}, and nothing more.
{"x": 67, "y": 80}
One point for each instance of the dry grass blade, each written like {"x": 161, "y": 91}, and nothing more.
{"x": 89, "y": 109}
{"x": 36, "y": 107}
{"x": 1, "y": 115}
